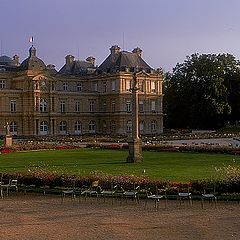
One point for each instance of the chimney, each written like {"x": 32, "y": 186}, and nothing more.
{"x": 138, "y": 51}
{"x": 69, "y": 59}
{"x": 115, "y": 49}
{"x": 16, "y": 60}
{"x": 51, "y": 67}
{"x": 91, "y": 60}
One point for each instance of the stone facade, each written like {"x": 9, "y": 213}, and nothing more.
{"x": 81, "y": 98}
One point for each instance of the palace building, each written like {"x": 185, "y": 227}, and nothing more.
{"x": 80, "y": 98}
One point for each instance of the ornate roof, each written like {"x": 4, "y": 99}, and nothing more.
{"x": 123, "y": 61}
{"x": 33, "y": 62}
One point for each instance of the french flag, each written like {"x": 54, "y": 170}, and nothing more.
{"x": 30, "y": 39}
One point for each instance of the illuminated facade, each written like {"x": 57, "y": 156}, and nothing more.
{"x": 80, "y": 98}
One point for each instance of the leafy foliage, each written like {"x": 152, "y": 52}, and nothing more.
{"x": 203, "y": 92}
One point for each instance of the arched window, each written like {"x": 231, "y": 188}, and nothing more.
{"x": 43, "y": 105}
{"x": 129, "y": 126}
{"x": 63, "y": 127}
{"x": 153, "y": 126}
{"x": 43, "y": 128}
{"x": 92, "y": 127}
{"x": 13, "y": 128}
{"x": 113, "y": 126}
{"x": 78, "y": 127}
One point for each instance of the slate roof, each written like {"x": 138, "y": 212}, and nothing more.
{"x": 77, "y": 67}
{"x": 122, "y": 61}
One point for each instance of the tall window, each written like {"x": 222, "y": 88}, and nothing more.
{"x": 104, "y": 106}
{"x": 2, "y": 84}
{"x": 43, "y": 128}
{"x": 63, "y": 127}
{"x": 153, "y": 86}
{"x": 13, "y": 128}
{"x": 77, "y": 106}
{"x": 62, "y": 106}
{"x": 13, "y": 105}
{"x": 65, "y": 86}
{"x": 113, "y": 126}
{"x": 78, "y": 127}
{"x": 141, "y": 126}
{"x": 43, "y": 105}
{"x": 128, "y": 106}
{"x": 141, "y": 107}
{"x": 113, "y": 106}
{"x": 95, "y": 87}
{"x": 129, "y": 126}
{"x": 153, "y": 126}
{"x": 104, "y": 86}
{"x": 113, "y": 85}
{"x": 79, "y": 87}
{"x": 141, "y": 86}
{"x": 92, "y": 128}
{"x": 91, "y": 105}
{"x": 104, "y": 126}
{"x": 153, "y": 106}
{"x": 128, "y": 84}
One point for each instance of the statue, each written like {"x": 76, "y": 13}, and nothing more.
{"x": 8, "y": 136}
{"x": 8, "y": 129}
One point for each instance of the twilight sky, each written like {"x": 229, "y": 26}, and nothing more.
{"x": 166, "y": 30}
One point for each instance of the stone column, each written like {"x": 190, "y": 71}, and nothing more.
{"x": 135, "y": 143}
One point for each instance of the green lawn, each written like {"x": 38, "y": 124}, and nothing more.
{"x": 158, "y": 165}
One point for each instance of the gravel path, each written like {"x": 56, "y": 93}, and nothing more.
{"x": 45, "y": 217}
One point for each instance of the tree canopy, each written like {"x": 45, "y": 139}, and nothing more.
{"x": 203, "y": 92}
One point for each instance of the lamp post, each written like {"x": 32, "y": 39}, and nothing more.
{"x": 135, "y": 143}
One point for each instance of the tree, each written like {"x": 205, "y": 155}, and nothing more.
{"x": 202, "y": 91}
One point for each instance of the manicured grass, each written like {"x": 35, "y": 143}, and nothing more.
{"x": 158, "y": 165}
